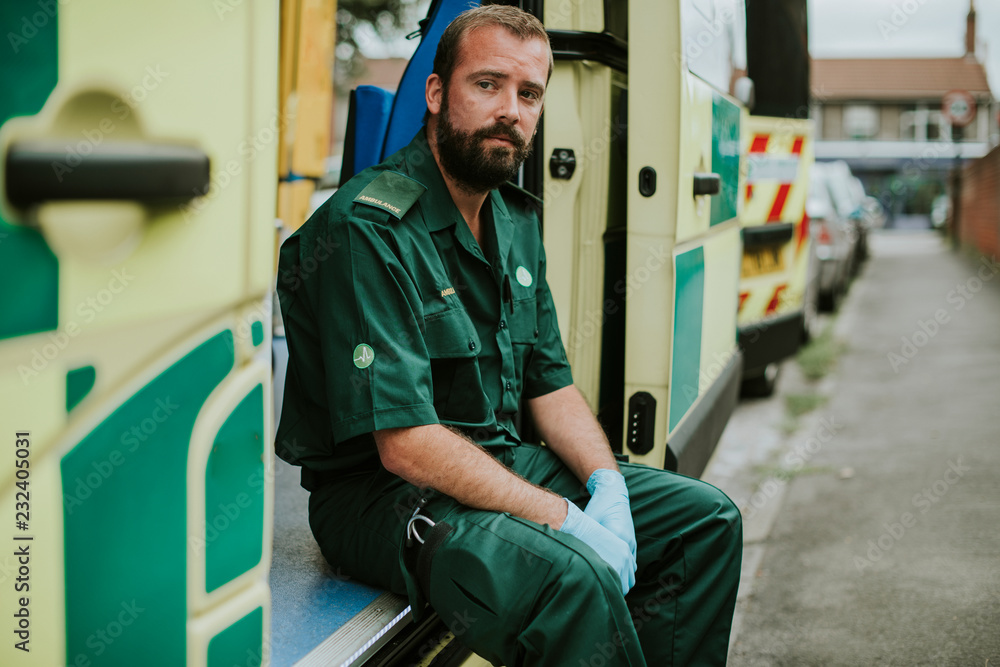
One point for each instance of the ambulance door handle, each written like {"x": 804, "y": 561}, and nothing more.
{"x": 707, "y": 184}
{"x": 42, "y": 170}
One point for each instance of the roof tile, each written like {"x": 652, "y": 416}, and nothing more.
{"x": 896, "y": 78}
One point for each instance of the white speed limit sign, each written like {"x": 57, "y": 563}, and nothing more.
{"x": 959, "y": 107}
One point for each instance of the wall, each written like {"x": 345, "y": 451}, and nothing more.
{"x": 979, "y": 216}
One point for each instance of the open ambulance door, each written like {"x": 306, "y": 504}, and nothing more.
{"x": 640, "y": 173}
{"x": 136, "y": 260}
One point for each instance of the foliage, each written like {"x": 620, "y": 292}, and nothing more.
{"x": 819, "y": 357}
{"x": 389, "y": 20}
{"x": 799, "y": 404}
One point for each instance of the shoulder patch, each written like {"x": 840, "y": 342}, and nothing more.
{"x": 392, "y": 192}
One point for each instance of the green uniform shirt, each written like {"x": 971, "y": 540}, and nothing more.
{"x": 395, "y": 316}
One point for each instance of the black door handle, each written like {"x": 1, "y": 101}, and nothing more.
{"x": 44, "y": 170}
{"x": 707, "y": 184}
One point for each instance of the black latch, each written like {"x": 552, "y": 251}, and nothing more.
{"x": 707, "y": 184}
{"x": 641, "y": 422}
{"x": 562, "y": 164}
{"x": 647, "y": 181}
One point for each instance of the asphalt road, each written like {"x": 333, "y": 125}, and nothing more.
{"x": 873, "y": 527}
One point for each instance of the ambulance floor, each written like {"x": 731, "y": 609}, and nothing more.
{"x": 309, "y": 600}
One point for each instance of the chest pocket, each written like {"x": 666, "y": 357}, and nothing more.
{"x": 453, "y": 346}
{"x": 449, "y": 334}
{"x": 523, "y": 321}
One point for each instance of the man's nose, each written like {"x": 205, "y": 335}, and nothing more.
{"x": 508, "y": 110}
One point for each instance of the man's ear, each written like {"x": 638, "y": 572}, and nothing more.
{"x": 433, "y": 93}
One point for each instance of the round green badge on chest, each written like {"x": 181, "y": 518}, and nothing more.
{"x": 523, "y": 276}
{"x": 364, "y": 355}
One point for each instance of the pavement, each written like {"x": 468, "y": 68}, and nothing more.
{"x": 872, "y": 523}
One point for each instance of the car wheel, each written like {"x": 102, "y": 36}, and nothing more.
{"x": 829, "y": 301}
{"x": 761, "y": 386}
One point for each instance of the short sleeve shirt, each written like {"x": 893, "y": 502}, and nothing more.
{"x": 395, "y": 316}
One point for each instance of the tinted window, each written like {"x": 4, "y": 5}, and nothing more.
{"x": 713, "y": 33}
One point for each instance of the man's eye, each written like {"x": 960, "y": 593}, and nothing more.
{"x": 530, "y": 94}
{"x": 485, "y": 85}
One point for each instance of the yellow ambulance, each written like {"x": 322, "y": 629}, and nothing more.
{"x": 778, "y": 290}
{"x": 778, "y": 287}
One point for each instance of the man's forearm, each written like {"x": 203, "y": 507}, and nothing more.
{"x": 433, "y": 456}
{"x": 569, "y": 428}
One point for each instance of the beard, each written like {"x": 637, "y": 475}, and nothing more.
{"x": 475, "y": 167}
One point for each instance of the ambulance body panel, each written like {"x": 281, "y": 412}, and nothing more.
{"x": 137, "y": 254}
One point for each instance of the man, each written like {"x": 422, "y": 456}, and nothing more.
{"x": 418, "y": 319}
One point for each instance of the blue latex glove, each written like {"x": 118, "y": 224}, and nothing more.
{"x": 607, "y": 545}
{"x": 609, "y": 504}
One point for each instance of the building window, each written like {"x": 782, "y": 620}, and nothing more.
{"x": 922, "y": 122}
{"x": 975, "y": 131}
{"x": 937, "y": 128}
{"x": 861, "y": 121}
{"x": 908, "y": 122}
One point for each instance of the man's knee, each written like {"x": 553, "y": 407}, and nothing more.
{"x": 727, "y": 511}
{"x": 720, "y": 512}
{"x": 692, "y": 501}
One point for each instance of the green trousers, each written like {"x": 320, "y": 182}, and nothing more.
{"x": 519, "y": 593}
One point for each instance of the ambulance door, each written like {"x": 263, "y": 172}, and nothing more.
{"x": 582, "y": 179}
{"x": 136, "y": 255}
{"x": 683, "y": 242}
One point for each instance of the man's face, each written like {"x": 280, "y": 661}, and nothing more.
{"x": 488, "y": 113}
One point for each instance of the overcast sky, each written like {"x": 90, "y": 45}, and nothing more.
{"x": 859, "y": 28}
{"x": 904, "y": 28}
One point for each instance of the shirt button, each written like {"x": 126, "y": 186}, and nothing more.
{"x": 472, "y": 344}
{"x": 508, "y": 385}
{"x": 536, "y": 333}
{"x": 503, "y": 324}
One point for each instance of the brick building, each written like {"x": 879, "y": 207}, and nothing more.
{"x": 979, "y": 212}
{"x": 884, "y": 118}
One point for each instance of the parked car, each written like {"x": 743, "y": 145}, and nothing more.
{"x": 940, "y": 211}
{"x": 848, "y": 195}
{"x": 833, "y": 234}
{"x": 875, "y": 212}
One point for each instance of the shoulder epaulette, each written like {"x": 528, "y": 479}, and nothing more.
{"x": 391, "y": 191}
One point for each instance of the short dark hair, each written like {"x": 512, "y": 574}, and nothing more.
{"x": 516, "y": 21}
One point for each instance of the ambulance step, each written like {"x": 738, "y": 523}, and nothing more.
{"x": 363, "y": 635}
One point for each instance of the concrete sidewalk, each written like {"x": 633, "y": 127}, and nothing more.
{"x": 881, "y": 546}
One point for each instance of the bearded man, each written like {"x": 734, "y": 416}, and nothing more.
{"x": 412, "y": 346}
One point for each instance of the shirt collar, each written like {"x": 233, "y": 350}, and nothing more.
{"x": 436, "y": 205}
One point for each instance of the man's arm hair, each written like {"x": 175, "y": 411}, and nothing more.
{"x": 437, "y": 457}
{"x": 571, "y": 431}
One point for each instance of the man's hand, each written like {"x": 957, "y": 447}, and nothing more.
{"x": 609, "y": 505}
{"x": 607, "y": 545}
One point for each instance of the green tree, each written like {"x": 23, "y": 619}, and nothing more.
{"x": 390, "y": 20}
